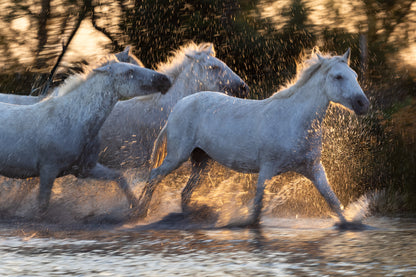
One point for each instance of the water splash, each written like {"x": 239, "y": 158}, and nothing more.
{"x": 359, "y": 209}
{"x": 224, "y": 199}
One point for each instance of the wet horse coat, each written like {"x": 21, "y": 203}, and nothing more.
{"x": 58, "y": 135}
{"x": 129, "y": 132}
{"x": 272, "y": 136}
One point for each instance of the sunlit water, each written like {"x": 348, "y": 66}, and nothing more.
{"x": 85, "y": 234}
{"x": 281, "y": 247}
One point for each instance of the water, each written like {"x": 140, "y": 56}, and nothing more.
{"x": 281, "y": 247}
{"x": 73, "y": 240}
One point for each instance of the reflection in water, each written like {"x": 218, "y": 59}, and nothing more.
{"x": 300, "y": 247}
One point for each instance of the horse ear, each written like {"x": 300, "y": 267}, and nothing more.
{"x": 347, "y": 56}
{"x": 320, "y": 58}
{"x": 124, "y": 55}
{"x": 106, "y": 69}
{"x": 194, "y": 55}
{"x": 208, "y": 48}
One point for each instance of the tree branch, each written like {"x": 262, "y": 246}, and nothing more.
{"x": 114, "y": 42}
{"x": 81, "y": 17}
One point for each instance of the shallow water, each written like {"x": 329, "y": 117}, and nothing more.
{"x": 280, "y": 247}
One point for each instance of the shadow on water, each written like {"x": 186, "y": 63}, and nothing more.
{"x": 203, "y": 218}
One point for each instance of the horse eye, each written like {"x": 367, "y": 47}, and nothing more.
{"x": 214, "y": 67}
{"x": 130, "y": 73}
{"x": 338, "y": 77}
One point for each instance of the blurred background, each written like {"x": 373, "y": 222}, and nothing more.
{"x": 262, "y": 41}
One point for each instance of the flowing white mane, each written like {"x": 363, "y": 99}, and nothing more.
{"x": 306, "y": 70}
{"x": 179, "y": 58}
{"x": 74, "y": 81}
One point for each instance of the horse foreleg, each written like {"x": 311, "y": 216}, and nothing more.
{"x": 47, "y": 177}
{"x": 264, "y": 175}
{"x": 102, "y": 172}
{"x": 199, "y": 167}
{"x": 319, "y": 179}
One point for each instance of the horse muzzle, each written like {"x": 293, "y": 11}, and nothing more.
{"x": 360, "y": 105}
{"x": 162, "y": 82}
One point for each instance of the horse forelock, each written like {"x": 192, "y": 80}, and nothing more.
{"x": 179, "y": 59}
{"x": 306, "y": 70}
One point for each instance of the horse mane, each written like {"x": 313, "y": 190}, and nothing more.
{"x": 180, "y": 58}
{"x": 305, "y": 71}
{"x": 177, "y": 61}
{"x": 74, "y": 81}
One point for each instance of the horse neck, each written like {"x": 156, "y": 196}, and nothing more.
{"x": 91, "y": 104}
{"x": 186, "y": 83}
{"x": 309, "y": 103}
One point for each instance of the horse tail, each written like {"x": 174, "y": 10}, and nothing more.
{"x": 159, "y": 149}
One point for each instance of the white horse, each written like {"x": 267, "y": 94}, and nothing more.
{"x": 272, "y": 136}
{"x": 58, "y": 135}
{"x": 129, "y": 132}
{"x": 124, "y": 56}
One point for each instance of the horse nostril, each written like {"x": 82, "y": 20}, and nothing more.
{"x": 163, "y": 83}
{"x": 361, "y": 105}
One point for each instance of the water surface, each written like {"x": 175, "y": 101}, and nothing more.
{"x": 280, "y": 247}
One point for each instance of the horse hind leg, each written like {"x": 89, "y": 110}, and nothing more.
{"x": 156, "y": 175}
{"x": 199, "y": 160}
{"x": 102, "y": 172}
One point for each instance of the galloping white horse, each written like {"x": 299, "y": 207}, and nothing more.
{"x": 272, "y": 136}
{"x": 58, "y": 135}
{"x": 128, "y": 134}
{"x": 124, "y": 56}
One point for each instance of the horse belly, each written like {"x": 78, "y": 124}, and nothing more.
{"x": 234, "y": 157}
{"x": 17, "y": 171}
{"x": 230, "y": 138}
{"x": 18, "y": 168}
{"x": 17, "y": 158}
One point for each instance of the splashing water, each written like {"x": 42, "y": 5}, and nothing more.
{"x": 358, "y": 210}
{"x": 225, "y": 198}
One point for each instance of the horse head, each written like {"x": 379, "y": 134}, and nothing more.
{"x": 213, "y": 74}
{"x": 341, "y": 85}
{"x": 132, "y": 80}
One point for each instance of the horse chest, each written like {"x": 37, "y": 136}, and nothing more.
{"x": 291, "y": 149}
